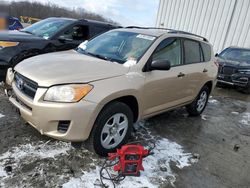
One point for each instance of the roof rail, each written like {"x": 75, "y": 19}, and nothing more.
{"x": 170, "y": 31}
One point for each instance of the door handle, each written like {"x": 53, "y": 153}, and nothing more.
{"x": 181, "y": 75}
{"x": 205, "y": 70}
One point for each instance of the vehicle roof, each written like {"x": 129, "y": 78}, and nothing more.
{"x": 237, "y": 47}
{"x": 62, "y": 18}
{"x": 85, "y": 20}
{"x": 157, "y": 32}
{"x": 97, "y": 22}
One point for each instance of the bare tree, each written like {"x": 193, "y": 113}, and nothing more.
{"x": 42, "y": 11}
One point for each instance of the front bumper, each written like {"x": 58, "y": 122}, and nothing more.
{"x": 240, "y": 80}
{"x": 45, "y": 116}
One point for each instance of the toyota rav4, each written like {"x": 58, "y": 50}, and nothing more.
{"x": 96, "y": 92}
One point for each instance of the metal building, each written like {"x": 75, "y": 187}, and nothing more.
{"x": 223, "y": 22}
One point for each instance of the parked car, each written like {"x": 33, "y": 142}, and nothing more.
{"x": 9, "y": 23}
{"x": 14, "y": 24}
{"x": 234, "y": 68}
{"x": 97, "y": 92}
{"x": 49, "y": 35}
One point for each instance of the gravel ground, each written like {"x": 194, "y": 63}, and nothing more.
{"x": 207, "y": 151}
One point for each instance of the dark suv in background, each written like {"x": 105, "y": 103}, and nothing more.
{"x": 234, "y": 68}
{"x": 49, "y": 35}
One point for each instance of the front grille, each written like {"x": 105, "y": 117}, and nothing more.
{"x": 25, "y": 85}
{"x": 220, "y": 69}
{"x": 228, "y": 70}
{"x": 63, "y": 126}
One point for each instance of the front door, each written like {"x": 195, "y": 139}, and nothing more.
{"x": 166, "y": 89}
{"x": 72, "y": 37}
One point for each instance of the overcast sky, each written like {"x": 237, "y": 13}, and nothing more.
{"x": 126, "y": 12}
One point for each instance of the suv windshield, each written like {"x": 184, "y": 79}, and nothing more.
{"x": 47, "y": 28}
{"x": 118, "y": 46}
{"x": 236, "y": 54}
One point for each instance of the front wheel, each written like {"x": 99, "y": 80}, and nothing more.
{"x": 247, "y": 89}
{"x": 199, "y": 104}
{"x": 111, "y": 130}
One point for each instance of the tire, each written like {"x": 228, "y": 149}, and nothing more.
{"x": 247, "y": 89}
{"x": 105, "y": 136}
{"x": 194, "y": 109}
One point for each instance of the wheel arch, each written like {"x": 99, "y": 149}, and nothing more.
{"x": 129, "y": 100}
{"x": 209, "y": 84}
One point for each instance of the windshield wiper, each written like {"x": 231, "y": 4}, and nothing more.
{"x": 99, "y": 56}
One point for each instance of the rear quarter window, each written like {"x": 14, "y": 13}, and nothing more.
{"x": 192, "y": 52}
{"x": 206, "y": 51}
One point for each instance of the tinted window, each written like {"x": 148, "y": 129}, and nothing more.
{"x": 206, "y": 51}
{"x": 169, "y": 49}
{"x": 98, "y": 30}
{"x": 77, "y": 32}
{"x": 192, "y": 52}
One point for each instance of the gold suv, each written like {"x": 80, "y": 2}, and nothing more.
{"x": 96, "y": 92}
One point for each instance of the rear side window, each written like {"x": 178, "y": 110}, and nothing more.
{"x": 192, "y": 52}
{"x": 96, "y": 30}
{"x": 206, "y": 51}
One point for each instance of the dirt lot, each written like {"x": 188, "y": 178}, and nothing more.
{"x": 208, "y": 151}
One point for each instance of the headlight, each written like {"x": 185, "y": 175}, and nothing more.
{"x": 67, "y": 93}
{"x": 4, "y": 44}
{"x": 244, "y": 71}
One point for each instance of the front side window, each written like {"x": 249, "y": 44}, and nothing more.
{"x": 118, "y": 46}
{"x": 192, "y": 52}
{"x": 169, "y": 49}
{"x": 77, "y": 32}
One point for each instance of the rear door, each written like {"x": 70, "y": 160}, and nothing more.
{"x": 96, "y": 29}
{"x": 166, "y": 89}
{"x": 195, "y": 67}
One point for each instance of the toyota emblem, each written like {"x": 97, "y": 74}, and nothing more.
{"x": 20, "y": 83}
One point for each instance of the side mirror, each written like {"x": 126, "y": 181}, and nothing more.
{"x": 216, "y": 55}
{"x": 160, "y": 65}
{"x": 63, "y": 39}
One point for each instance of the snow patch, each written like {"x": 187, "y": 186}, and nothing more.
{"x": 245, "y": 119}
{"x": 157, "y": 168}
{"x": 130, "y": 63}
{"x": 204, "y": 117}
{"x": 235, "y": 113}
{"x": 2, "y": 172}
{"x": 1, "y": 115}
{"x": 30, "y": 152}
{"x": 213, "y": 101}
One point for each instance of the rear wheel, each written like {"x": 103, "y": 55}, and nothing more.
{"x": 199, "y": 104}
{"x": 111, "y": 130}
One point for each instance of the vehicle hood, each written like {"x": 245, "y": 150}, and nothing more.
{"x": 17, "y": 36}
{"x": 68, "y": 67}
{"x": 235, "y": 64}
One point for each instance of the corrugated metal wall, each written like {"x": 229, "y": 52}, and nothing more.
{"x": 224, "y": 22}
